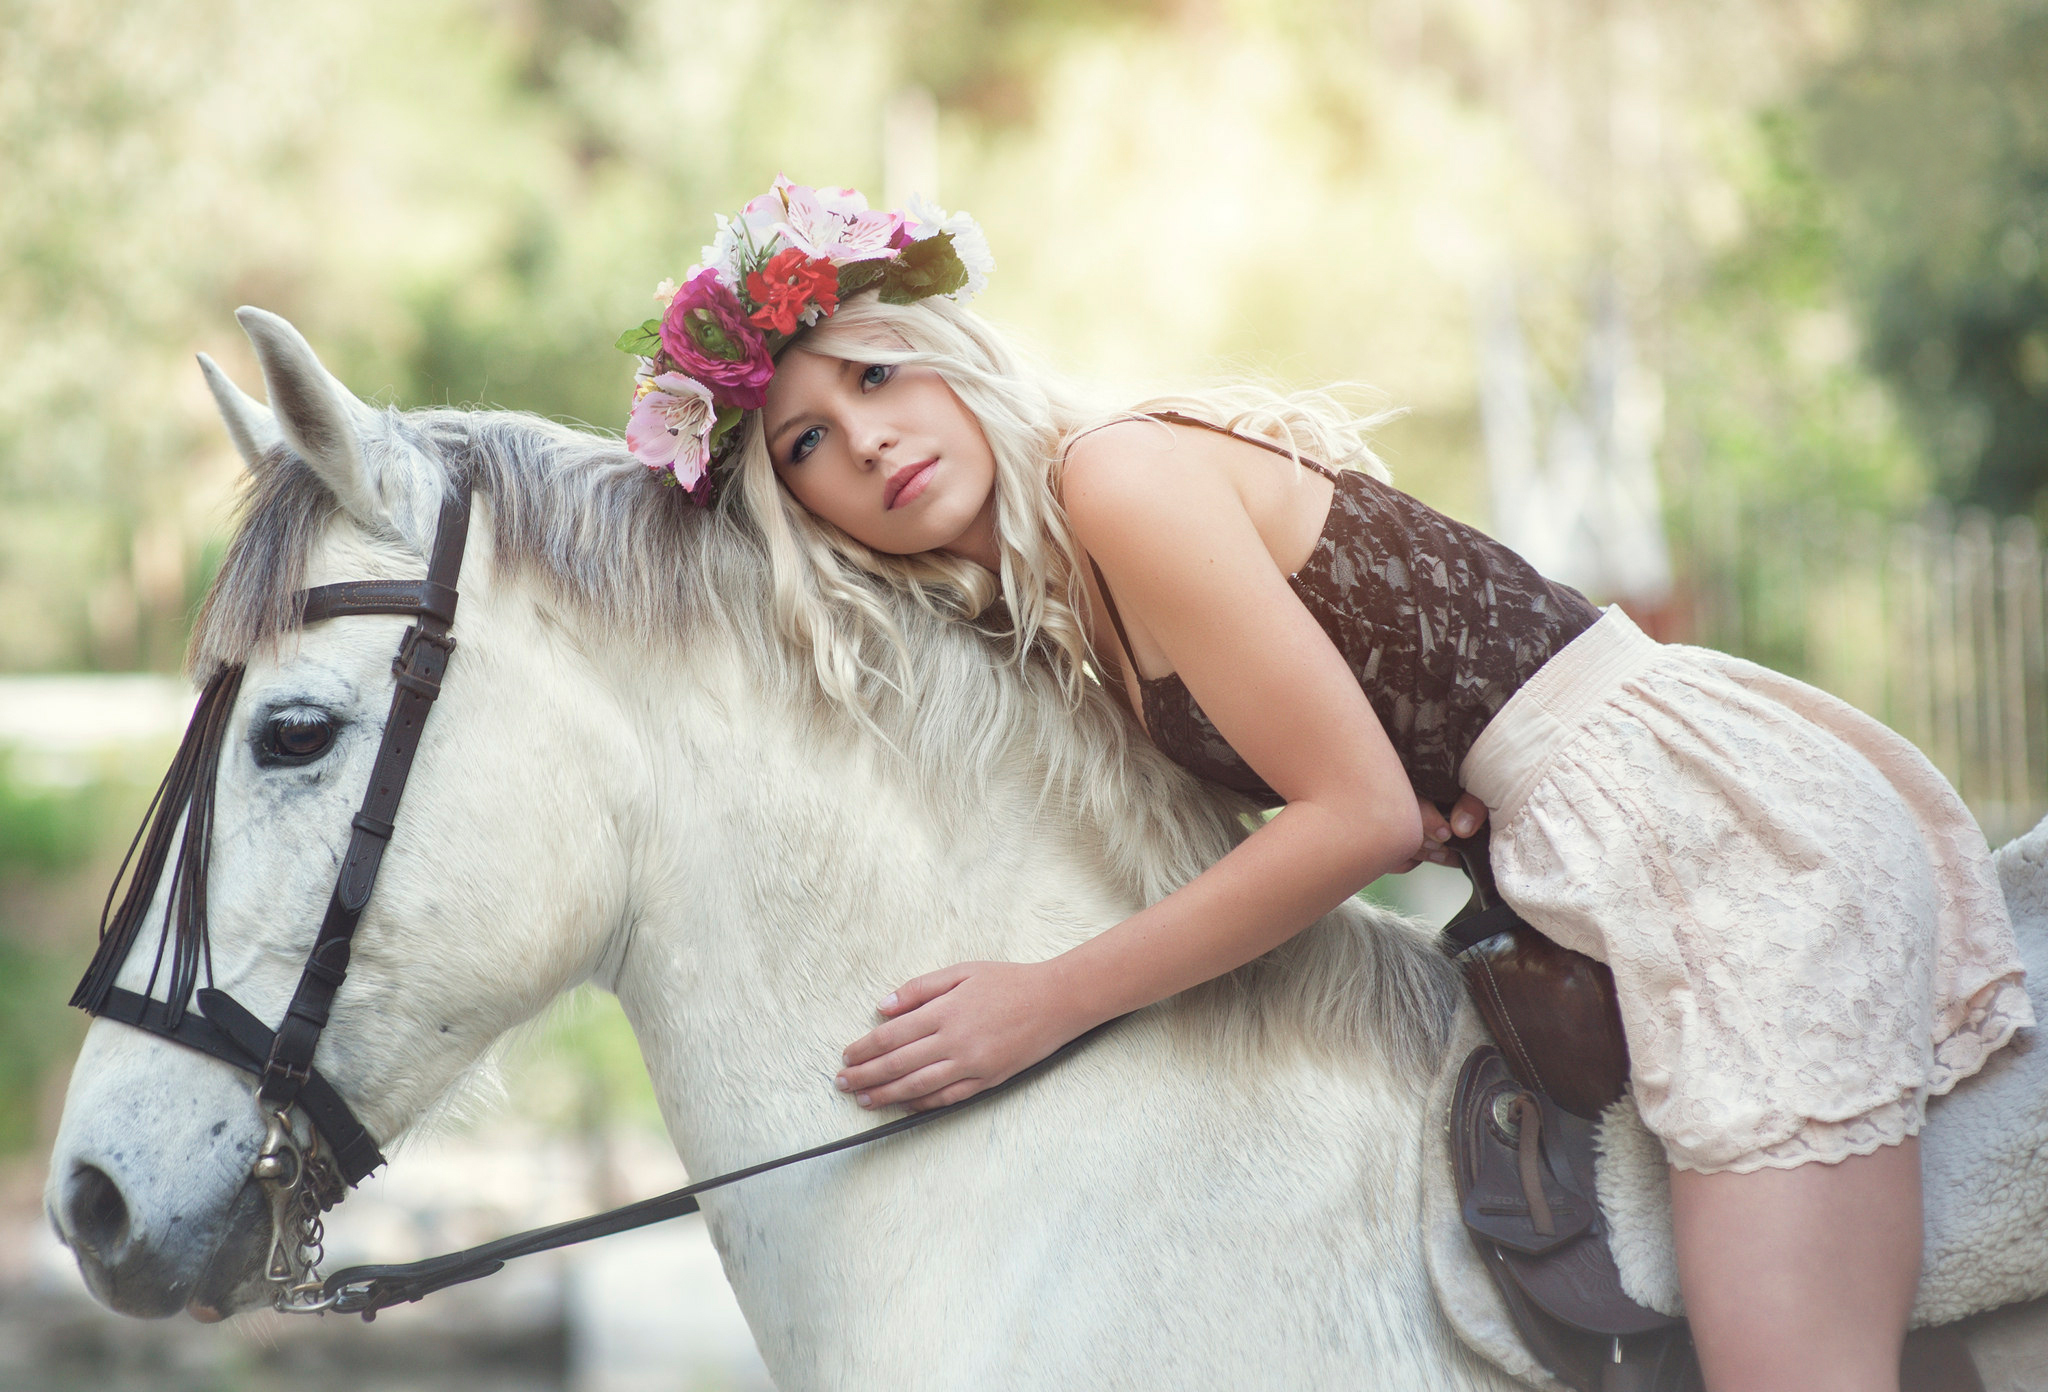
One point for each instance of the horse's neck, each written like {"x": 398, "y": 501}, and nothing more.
{"x": 791, "y": 880}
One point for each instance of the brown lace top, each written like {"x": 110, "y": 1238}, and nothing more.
{"x": 1439, "y": 622}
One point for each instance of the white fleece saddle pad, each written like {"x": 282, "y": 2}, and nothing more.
{"x": 1984, "y": 1170}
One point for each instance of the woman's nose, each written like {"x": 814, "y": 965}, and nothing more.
{"x": 871, "y": 440}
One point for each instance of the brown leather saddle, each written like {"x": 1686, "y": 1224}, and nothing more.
{"x": 1522, "y": 1123}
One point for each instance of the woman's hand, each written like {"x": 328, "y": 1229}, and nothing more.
{"x": 952, "y": 1033}
{"x": 1466, "y": 816}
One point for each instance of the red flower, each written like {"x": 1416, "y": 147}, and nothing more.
{"x": 787, "y": 286}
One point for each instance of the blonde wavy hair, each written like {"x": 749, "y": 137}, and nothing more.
{"x": 826, "y": 595}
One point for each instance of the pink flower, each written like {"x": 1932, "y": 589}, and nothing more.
{"x": 706, "y": 335}
{"x": 834, "y": 224}
{"x": 670, "y": 427}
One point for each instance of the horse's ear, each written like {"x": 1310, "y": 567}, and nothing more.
{"x": 317, "y": 415}
{"x": 250, "y": 424}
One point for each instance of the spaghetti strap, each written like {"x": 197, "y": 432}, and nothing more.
{"x": 1176, "y": 418}
{"x": 1123, "y": 638}
{"x": 1102, "y": 584}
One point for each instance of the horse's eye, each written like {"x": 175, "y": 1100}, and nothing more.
{"x": 294, "y": 737}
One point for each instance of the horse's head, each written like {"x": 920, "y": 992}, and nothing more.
{"x": 504, "y": 881}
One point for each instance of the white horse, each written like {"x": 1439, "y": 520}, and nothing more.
{"x": 632, "y": 780}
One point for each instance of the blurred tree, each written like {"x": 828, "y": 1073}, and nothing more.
{"x": 1933, "y": 135}
{"x": 1769, "y": 399}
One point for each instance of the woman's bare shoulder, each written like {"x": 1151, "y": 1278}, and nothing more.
{"x": 1136, "y": 471}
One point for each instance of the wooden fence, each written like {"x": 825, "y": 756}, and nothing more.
{"x": 1938, "y": 627}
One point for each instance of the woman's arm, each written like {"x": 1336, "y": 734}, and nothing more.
{"x": 1182, "y": 554}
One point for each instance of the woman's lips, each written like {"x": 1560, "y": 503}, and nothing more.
{"x": 908, "y": 484}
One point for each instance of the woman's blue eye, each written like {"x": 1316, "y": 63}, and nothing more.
{"x": 876, "y": 374}
{"x": 805, "y": 443}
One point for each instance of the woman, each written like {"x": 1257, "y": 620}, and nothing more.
{"x": 1805, "y": 933}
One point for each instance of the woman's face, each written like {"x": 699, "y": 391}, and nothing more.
{"x": 886, "y": 453}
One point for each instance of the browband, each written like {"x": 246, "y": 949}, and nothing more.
{"x": 429, "y": 598}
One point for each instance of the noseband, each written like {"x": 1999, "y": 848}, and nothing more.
{"x": 300, "y": 1182}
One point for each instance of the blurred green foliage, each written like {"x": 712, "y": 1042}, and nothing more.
{"x": 579, "y": 1067}
{"x": 1769, "y": 397}
{"x": 464, "y": 200}
{"x": 43, "y": 829}
{"x": 31, "y": 1038}
{"x": 44, "y": 833}
{"x": 1932, "y": 137}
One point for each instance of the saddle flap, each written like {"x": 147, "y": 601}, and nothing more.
{"x": 1515, "y": 1155}
{"x": 1514, "y": 1152}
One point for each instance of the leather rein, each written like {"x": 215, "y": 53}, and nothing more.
{"x": 302, "y": 1180}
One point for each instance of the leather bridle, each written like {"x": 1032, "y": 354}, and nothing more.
{"x": 302, "y": 1181}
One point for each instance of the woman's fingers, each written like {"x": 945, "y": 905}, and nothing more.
{"x": 920, "y": 989}
{"x": 883, "y": 1039}
{"x": 1467, "y": 814}
{"x": 1436, "y": 834}
{"x": 897, "y": 1063}
{"x": 947, "y": 1096}
{"x": 929, "y": 1079}
{"x": 1435, "y": 829}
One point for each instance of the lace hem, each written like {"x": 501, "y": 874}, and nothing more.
{"x": 1824, "y": 1142}
{"x": 1994, "y": 1014}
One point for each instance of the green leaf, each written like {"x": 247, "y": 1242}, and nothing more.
{"x": 856, "y": 276}
{"x": 722, "y": 424}
{"x": 923, "y": 269}
{"x": 643, "y": 342}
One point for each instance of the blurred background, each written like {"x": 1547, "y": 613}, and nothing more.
{"x": 1734, "y": 311}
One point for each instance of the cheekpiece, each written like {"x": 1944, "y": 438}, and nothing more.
{"x": 780, "y": 265}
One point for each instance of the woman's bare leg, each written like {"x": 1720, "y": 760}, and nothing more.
{"x": 1801, "y": 1280}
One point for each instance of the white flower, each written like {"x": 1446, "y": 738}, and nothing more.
{"x": 927, "y": 219}
{"x": 742, "y": 243}
{"x": 972, "y": 246}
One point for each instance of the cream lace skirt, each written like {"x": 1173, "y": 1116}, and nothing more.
{"x": 1806, "y": 934}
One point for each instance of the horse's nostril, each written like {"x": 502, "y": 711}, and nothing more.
{"x": 96, "y": 1213}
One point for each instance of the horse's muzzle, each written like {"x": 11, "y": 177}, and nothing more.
{"x": 154, "y": 1276}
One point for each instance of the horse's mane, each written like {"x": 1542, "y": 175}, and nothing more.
{"x": 584, "y": 516}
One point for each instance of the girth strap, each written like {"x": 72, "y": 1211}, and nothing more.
{"x": 419, "y": 666}
{"x": 231, "y": 1034}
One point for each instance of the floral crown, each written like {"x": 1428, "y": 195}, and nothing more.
{"x": 784, "y": 263}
